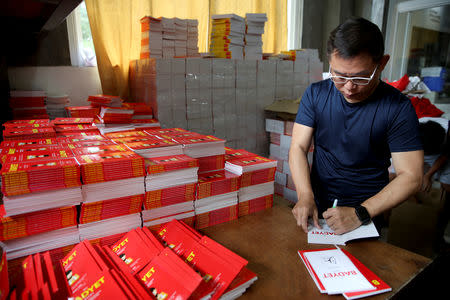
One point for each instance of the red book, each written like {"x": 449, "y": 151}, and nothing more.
{"x": 10, "y": 151}
{"x": 110, "y": 166}
{"x": 71, "y": 121}
{"x": 82, "y": 111}
{"x": 39, "y": 155}
{"x": 167, "y": 131}
{"x": 211, "y": 163}
{"x": 234, "y": 154}
{"x": 80, "y": 138}
{"x": 101, "y": 149}
{"x": 29, "y": 143}
{"x": 29, "y": 133}
{"x": 12, "y": 123}
{"x": 150, "y": 144}
{"x": 249, "y": 164}
{"x": 96, "y": 211}
{"x": 170, "y": 163}
{"x": 126, "y": 134}
{"x": 75, "y": 128}
{"x": 169, "y": 196}
{"x": 135, "y": 250}
{"x": 216, "y": 183}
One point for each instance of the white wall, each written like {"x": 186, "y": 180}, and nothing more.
{"x": 76, "y": 82}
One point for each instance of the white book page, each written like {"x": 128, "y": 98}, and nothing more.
{"x": 336, "y": 272}
{"x": 327, "y": 236}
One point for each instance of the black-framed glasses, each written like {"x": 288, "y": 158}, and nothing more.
{"x": 354, "y": 80}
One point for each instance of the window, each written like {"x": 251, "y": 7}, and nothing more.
{"x": 82, "y": 53}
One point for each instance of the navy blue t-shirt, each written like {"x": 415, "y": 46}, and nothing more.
{"x": 353, "y": 141}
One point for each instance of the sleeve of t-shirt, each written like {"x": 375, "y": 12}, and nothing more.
{"x": 306, "y": 111}
{"x": 403, "y": 133}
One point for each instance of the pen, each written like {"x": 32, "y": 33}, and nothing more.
{"x": 335, "y": 203}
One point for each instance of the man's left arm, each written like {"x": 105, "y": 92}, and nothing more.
{"x": 409, "y": 170}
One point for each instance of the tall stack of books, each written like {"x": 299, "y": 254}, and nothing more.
{"x": 227, "y": 36}
{"x": 168, "y": 37}
{"x": 170, "y": 190}
{"x": 28, "y": 104}
{"x": 180, "y": 37}
{"x": 208, "y": 149}
{"x": 217, "y": 200}
{"x": 113, "y": 186}
{"x": 28, "y": 129}
{"x": 256, "y": 182}
{"x": 151, "y": 38}
{"x": 82, "y": 111}
{"x": 253, "y": 35}
{"x": 192, "y": 38}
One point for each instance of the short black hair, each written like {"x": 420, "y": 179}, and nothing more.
{"x": 433, "y": 136}
{"x": 356, "y": 36}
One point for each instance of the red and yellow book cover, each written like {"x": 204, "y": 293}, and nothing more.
{"x": 247, "y": 164}
{"x": 198, "y": 139}
{"x": 85, "y": 144}
{"x": 80, "y": 268}
{"x": 135, "y": 251}
{"x": 10, "y": 151}
{"x": 167, "y": 131}
{"x": 170, "y": 163}
{"x": 96, "y": 211}
{"x": 216, "y": 183}
{"x": 126, "y": 134}
{"x": 38, "y": 155}
{"x": 31, "y": 133}
{"x": 215, "y": 217}
{"x": 75, "y": 128}
{"x": 20, "y": 126}
{"x": 150, "y": 144}
{"x": 76, "y": 134}
{"x": 211, "y": 163}
{"x": 27, "y": 177}
{"x": 37, "y": 222}
{"x": 103, "y": 99}
{"x": 80, "y": 138}
{"x": 110, "y": 166}
{"x": 12, "y": 123}
{"x": 163, "y": 282}
{"x": 101, "y": 149}
{"x": 29, "y": 143}
{"x": 4, "y": 279}
{"x": 83, "y": 111}
{"x": 255, "y": 205}
{"x": 236, "y": 153}
{"x": 169, "y": 196}
{"x": 132, "y": 139}
{"x": 72, "y": 121}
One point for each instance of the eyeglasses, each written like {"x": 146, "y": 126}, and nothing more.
{"x": 354, "y": 80}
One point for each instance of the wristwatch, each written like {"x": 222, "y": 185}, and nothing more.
{"x": 362, "y": 214}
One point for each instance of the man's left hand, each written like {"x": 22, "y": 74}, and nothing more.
{"x": 341, "y": 219}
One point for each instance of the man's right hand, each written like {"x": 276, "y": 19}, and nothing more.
{"x": 305, "y": 208}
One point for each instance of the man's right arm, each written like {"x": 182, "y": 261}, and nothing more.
{"x": 298, "y": 163}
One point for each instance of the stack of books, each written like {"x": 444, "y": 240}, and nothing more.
{"x": 39, "y": 185}
{"x": 113, "y": 189}
{"x": 141, "y": 111}
{"x": 253, "y": 35}
{"x": 192, "y": 38}
{"x": 115, "y": 115}
{"x": 180, "y": 37}
{"x": 39, "y": 278}
{"x": 56, "y": 106}
{"x": 336, "y": 271}
{"x": 45, "y": 241}
{"x": 168, "y": 37}
{"x": 231, "y": 153}
{"x": 256, "y": 182}
{"x": 72, "y": 121}
{"x": 82, "y": 111}
{"x": 170, "y": 190}
{"x": 151, "y": 38}
{"x": 105, "y": 100}
{"x": 217, "y": 265}
{"x": 127, "y": 134}
{"x": 28, "y": 104}
{"x": 208, "y": 149}
{"x": 227, "y": 36}
{"x": 217, "y": 200}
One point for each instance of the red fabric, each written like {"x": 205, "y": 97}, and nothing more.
{"x": 400, "y": 84}
{"x": 424, "y": 108}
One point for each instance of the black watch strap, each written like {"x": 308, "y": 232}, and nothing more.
{"x": 362, "y": 214}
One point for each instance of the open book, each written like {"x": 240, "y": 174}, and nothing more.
{"x": 327, "y": 236}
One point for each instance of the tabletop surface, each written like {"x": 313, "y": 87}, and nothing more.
{"x": 270, "y": 239}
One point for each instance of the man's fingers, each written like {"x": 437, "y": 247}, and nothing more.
{"x": 304, "y": 222}
{"x": 316, "y": 220}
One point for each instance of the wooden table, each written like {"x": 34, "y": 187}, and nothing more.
{"x": 269, "y": 240}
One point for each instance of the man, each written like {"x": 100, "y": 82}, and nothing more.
{"x": 358, "y": 122}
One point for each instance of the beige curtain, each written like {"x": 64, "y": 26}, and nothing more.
{"x": 116, "y": 29}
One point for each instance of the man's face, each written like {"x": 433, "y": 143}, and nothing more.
{"x": 358, "y": 66}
